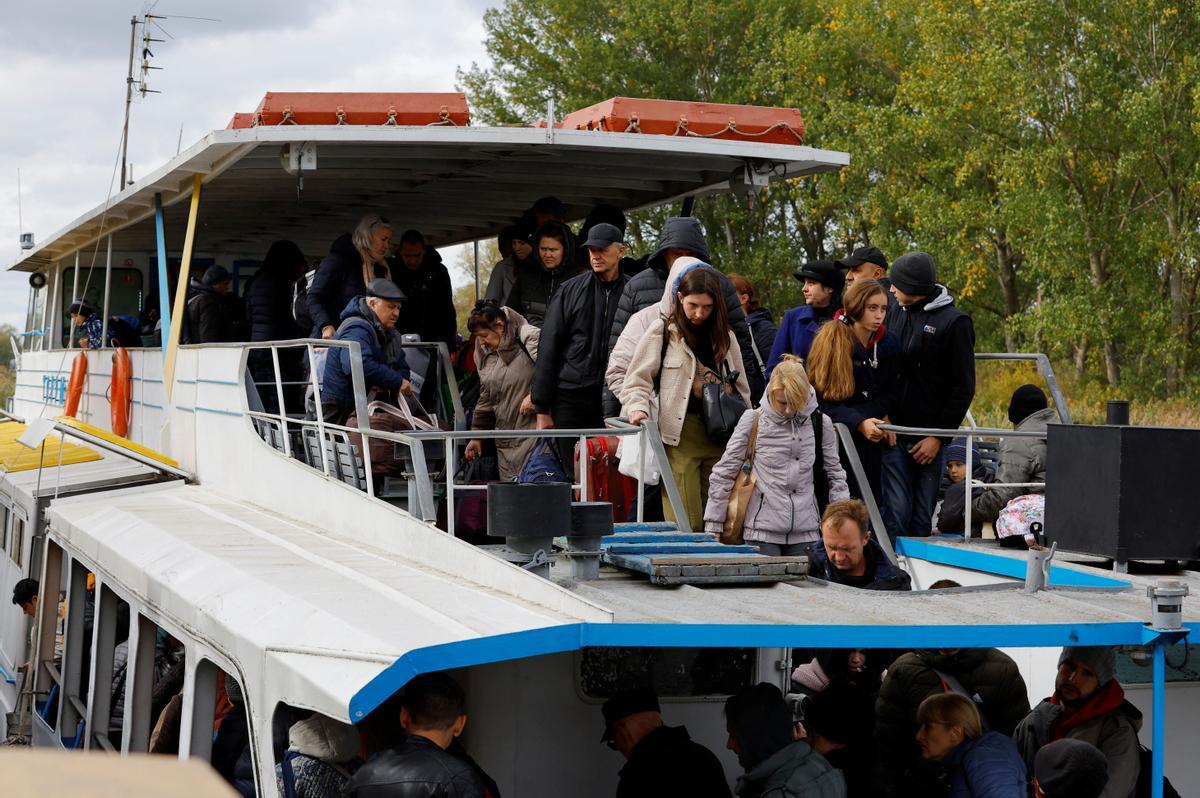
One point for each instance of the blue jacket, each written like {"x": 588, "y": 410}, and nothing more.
{"x": 986, "y": 767}
{"x": 359, "y": 324}
{"x": 883, "y": 575}
{"x": 873, "y": 385}
{"x": 796, "y": 333}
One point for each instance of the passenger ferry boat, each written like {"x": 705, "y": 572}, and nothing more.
{"x": 246, "y": 546}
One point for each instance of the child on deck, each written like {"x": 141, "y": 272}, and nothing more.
{"x": 951, "y": 515}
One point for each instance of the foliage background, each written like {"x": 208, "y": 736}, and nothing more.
{"x": 1046, "y": 154}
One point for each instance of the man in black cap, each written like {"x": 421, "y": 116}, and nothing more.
{"x": 568, "y": 379}
{"x": 661, "y": 760}
{"x": 934, "y": 389}
{"x": 213, "y": 313}
{"x": 370, "y": 320}
{"x": 681, "y": 236}
{"x": 869, "y": 263}
{"x": 1022, "y": 460}
{"x": 823, "y": 284}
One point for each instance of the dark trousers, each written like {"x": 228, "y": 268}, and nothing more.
{"x": 909, "y": 489}
{"x": 576, "y": 408}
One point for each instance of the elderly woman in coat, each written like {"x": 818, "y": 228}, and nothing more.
{"x": 677, "y": 355}
{"x": 506, "y": 349}
{"x": 783, "y": 516}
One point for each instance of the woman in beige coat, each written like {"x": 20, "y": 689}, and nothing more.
{"x": 506, "y": 347}
{"x": 698, "y": 344}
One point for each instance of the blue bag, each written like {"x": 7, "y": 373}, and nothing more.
{"x": 543, "y": 465}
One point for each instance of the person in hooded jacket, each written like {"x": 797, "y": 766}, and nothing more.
{"x": 213, "y": 312}
{"x": 322, "y": 755}
{"x": 854, "y": 365}
{"x": 370, "y": 320}
{"x": 269, "y": 318}
{"x": 934, "y": 389}
{"x": 760, "y": 728}
{"x": 986, "y": 675}
{"x": 951, "y": 514}
{"x": 569, "y": 377}
{"x": 418, "y": 271}
{"x": 354, "y": 260}
{"x": 1021, "y": 459}
{"x": 553, "y": 265}
{"x": 976, "y": 764}
{"x": 673, "y": 360}
{"x": 506, "y": 350}
{"x": 681, "y": 236}
{"x": 1088, "y": 704}
{"x": 839, "y": 724}
{"x": 793, "y": 479}
{"x": 516, "y": 251}
{"x": 823, "y": 284}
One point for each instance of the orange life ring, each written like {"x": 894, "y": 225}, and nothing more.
{"x": 120, "y": 398}
{"x": 75, "y": 385}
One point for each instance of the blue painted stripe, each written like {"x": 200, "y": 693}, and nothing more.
{"x": 185, "y": 408}
{"x": 978, "y": 559}
{"x": 218, "y": 382}
{"x": 657, "y": 537}
{"x": 571, "y": 637}
{"x": 8, "y": 679}
{"x": 218, "y": 411}
{"x": 656, "y": 548}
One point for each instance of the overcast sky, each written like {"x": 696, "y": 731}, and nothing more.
{"x": 62, "y": 81}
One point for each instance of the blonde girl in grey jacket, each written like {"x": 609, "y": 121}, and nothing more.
{"x": 783, "y": 516}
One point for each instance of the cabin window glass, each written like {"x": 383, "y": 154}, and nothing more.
{"x": 126, "y": 292}
{"x": 5, "y": 514}
{"x": 77, "y": 655}
{"x": 221, "y": 731}
{"x": 18, "y": 542}
{"x": 153, "y": 689}
{"x": 1134, "y": 666}
{"x": 111, "y": 622}
{"x": 674, "y": 672}
{"x": 49, "y": 631}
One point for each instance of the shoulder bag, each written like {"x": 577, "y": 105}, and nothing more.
{"x": 721, "y": 406}
{"x": 742, "y": 491}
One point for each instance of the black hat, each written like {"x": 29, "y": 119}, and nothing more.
{"x": 604, "y": 235}
{"x": 1026, "y": 400}
{"x": 824, "y": 272}
{"x": 1070, "y": 768}
{"x": 915, "y": 273}
{"x": 215, "y": 275}
{"x": 80, "y": 308}
{"x": 626, "y": 703}
{"x": 551, "y": 205}
{"x": 380, "y": 288}
{"x": 862, "y": 255}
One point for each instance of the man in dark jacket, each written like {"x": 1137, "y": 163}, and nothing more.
{"x": 433, "y": 716}
{"x": 1088, "y": 704}
{"x": 661, "y": 760}
{"x": 370, "y": 320}
{"x": 418, "y": 271}
{"x": 213, "y": 312}
{"x": 987, "y": 676}
{"x": 823, "y": 284}
{"x": 848, "y": 555}
{"x": 572, "y": 355}
{"x": 269, "y": 318}
{"x": 868, "y": 263}
{"x": 681, "y": 235}
{"x": 934, "y": 389}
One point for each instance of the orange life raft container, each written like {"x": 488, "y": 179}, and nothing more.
{"x": 680, "y": 118}
{"x": 357, "y": 108}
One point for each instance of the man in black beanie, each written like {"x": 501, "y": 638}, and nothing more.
{"x": 1021, "y": 459}
{"x": 1069, "y": 768}
{"x": 934, "y": 389}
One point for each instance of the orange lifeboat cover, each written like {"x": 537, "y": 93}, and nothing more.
{"x": 679, "y": 118}
{"x": 357, "y": 108}
{"x": 75, "y": 384}
{"x": 120, "y": 398}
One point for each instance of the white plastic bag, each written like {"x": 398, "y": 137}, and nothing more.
{"x": 628, "y": 453}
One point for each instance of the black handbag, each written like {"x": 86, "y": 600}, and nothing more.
{"x": 721, "y": 406}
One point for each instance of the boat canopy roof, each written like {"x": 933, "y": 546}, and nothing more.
{"x": 453, "y": 183}
{"x": 339, "y": 625}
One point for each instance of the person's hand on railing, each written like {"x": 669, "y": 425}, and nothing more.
{"x": 526, "y": 405}
{"x": 474, "y": 449}
{"x": 924, "y": 450}
{"x": 545, "y": 421}
{"x": 637, "y": 417}
{"x": 327, "y": 331}
{"x": 870, "y": 429}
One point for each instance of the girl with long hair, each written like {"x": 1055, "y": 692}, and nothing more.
{"x": 853, "y": 365}
{"x": 677, "y": 355}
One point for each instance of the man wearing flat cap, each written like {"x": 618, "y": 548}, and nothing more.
{"x": 371, "y": 321}
{"x": 661, "y": 760}
{"x": 823, "y": 283}
{"x": 1089, "y": 705}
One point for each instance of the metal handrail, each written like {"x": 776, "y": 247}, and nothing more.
{"x": 970, "y": 433}
{"x": 1044, "y": 369}
{"x": 846, "y": 438}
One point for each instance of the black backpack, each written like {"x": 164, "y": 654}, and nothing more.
{"x": 1145, "y": 781}
{"x": 300, "y": 302}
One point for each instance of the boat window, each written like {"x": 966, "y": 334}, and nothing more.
{"x": 50, "y": 630}
{"x": 126, "y": 293}
{"x": 342, "y": 757}
{"x": 5, "y": 515}
{"x": 674, "y": 672}
{"x": 154, "y": 691}
{"x": 111, "y": 649}
{"x": 18, "y": 542}
{"x": 77, "y": 655}
{"x": 221, "y": 726}
{"x": 1134, "y": 666}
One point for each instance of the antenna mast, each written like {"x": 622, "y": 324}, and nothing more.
{"x": 133, "y": 23}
